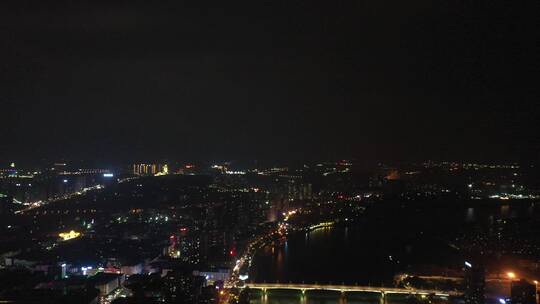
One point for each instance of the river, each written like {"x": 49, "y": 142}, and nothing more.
{"x": 371, "y": 252}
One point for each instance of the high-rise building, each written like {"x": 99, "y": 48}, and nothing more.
{"x": 299, "y": 191}
{"x": 185, "y": 247}
{"x": 523, "y": 292}
{"x": 6, "y": 205}
{"x": 474, "y": 284}
{"x": 149, "y": 169}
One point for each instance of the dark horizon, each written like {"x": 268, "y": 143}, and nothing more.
{"x": 117, "y": 81}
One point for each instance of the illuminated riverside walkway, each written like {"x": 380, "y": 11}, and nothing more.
{"x": 344, "y": 289}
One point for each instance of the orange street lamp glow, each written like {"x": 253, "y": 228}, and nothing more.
{"x": 511, "y": 275}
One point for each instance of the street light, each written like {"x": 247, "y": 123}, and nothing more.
{"x": 511, "y": 275}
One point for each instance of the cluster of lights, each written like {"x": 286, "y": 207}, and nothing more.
{"x": 85, "y": 269}
{"x": 506, "y": 196}
{"x": 66, "y": 236}
{"x": 321, "y": 225}
{"x": 235, "y": 172}
{"x": 219, "y": 167}
{"x": 287, "y": 215}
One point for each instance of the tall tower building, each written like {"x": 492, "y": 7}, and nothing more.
{"x": 523, "y": 292}
{"x": 474, "y": 284}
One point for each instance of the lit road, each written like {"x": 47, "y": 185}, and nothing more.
{"x": 39, "y": 204}
{"x": 84, "y": 191}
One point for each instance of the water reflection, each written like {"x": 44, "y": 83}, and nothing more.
{"x": 470, "y": 215}
{"x": 505, "y": 211}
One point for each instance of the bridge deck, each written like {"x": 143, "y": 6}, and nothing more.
{"x": 348, "y": 288}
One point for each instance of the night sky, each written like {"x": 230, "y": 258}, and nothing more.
{"x": 377, "y": 80}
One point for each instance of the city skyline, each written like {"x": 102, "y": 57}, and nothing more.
{"x": 220, "y": 233}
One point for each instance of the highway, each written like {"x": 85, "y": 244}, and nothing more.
{"x": 39, "y": 204}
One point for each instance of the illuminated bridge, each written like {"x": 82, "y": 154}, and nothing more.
{"x": 381, "y": 292}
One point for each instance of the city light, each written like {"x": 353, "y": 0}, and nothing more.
{"x": 85, "y": 269}
{"x": 511, "y": 275}
{"x": 468, "y": 264}
{"x": 69, "y": 235}
{"x": 235, "y": 172}
{"x": 108, "y": 175}
{"x": 502, "y": 301}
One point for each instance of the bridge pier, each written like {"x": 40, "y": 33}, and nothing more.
{"x": 303, "y": 297}
{"x": 264, "y": 296}
{"x": 382, "y": 300}
{"x": 343, "y": 297}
